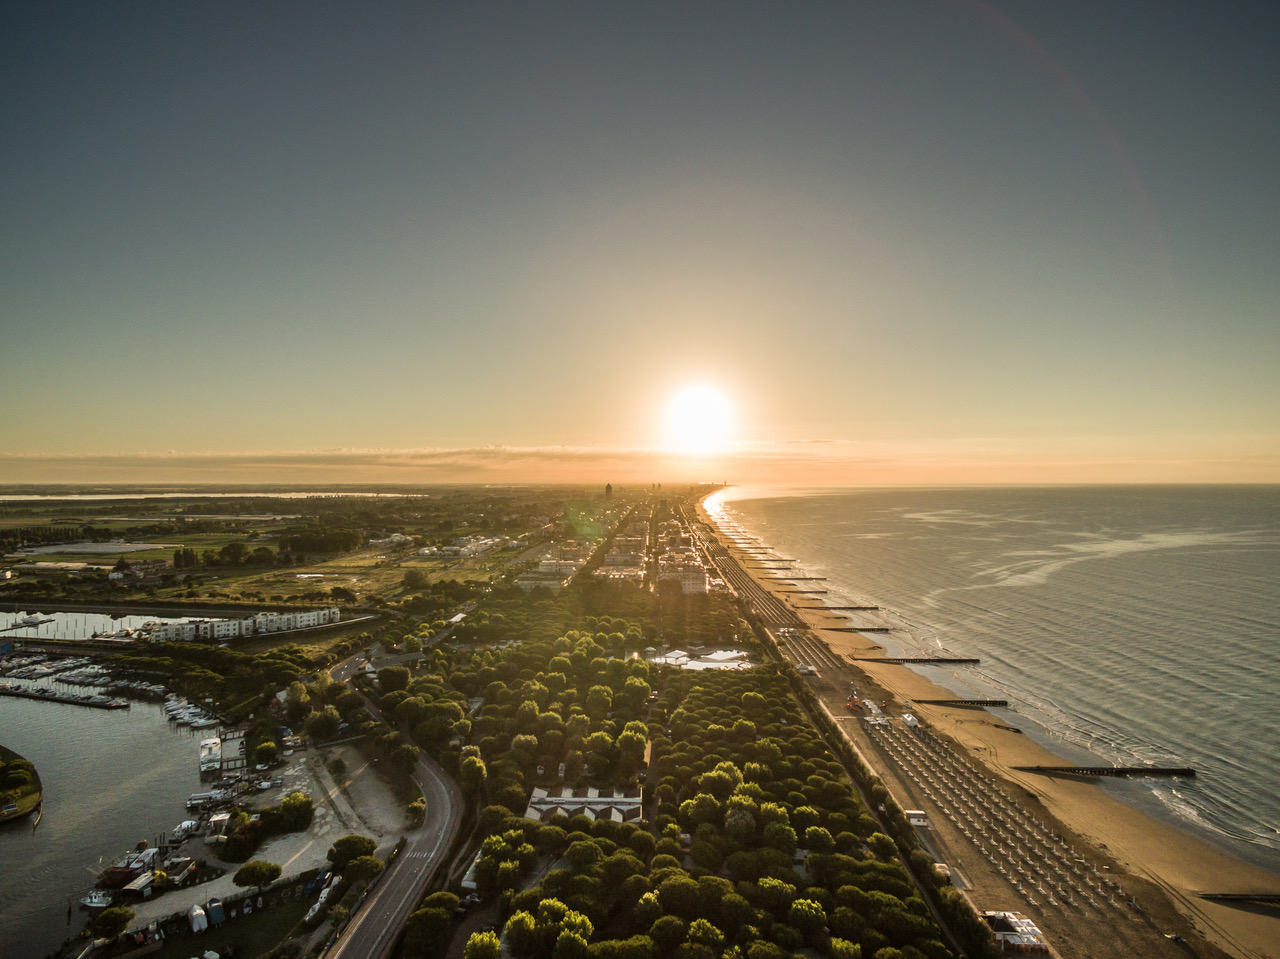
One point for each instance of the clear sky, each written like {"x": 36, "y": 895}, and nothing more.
{"x": 947, "y": 241}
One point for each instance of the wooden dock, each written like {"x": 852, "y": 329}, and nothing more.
{"x": 71, "y": 699}
{"x": 918, "y": 660}
{"x": 1110, "y": 770}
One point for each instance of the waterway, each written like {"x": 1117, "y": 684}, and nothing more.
{"x": 110, "y": 779}
{"x": 80, "y": 625}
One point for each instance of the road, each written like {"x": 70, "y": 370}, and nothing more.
{"x": 374, "y": 927}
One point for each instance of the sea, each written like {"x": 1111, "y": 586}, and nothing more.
{"x": 1126, "y": 625}
{"x": 111, "y": 778}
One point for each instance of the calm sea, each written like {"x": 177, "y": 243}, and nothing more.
{"x": 1131, "y": 625}
{"x": 111, "y": 778}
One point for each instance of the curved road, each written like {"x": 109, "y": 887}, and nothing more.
{"x": 373, "y": 929}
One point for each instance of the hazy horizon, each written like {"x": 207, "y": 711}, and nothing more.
{"x": 958, "y": 242}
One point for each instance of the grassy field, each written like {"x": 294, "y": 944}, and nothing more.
{"x": 312, "y": 644}
{"x": 29, "y": 800}
{"x": 250, "y": 935}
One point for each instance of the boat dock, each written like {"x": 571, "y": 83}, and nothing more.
{"x": 1111, "y": 770}
{"x": 918, "y": 661}
{"x": 963, "y": 702}
{"x": 1267, "y": 898}
{"x": 859, "y": 629}
{"x": 71, "y": 699}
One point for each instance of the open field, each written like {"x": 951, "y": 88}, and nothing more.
{"x": 249, "y": 936}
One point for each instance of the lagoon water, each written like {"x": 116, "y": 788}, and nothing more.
{"x": 1127, "y": 625}
{"x": 78, "y": 625}
{"x": 110, "y": 779}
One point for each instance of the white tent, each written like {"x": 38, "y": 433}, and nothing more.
{"x": 199, "y": 921}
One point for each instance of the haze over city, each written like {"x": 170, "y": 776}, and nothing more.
{"x": 919, "y": 242}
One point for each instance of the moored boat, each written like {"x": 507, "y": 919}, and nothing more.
{"x": 96, "y": 899}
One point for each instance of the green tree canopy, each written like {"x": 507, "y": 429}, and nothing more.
{"x": 350, "y": 847}
{"x": 322, "y": 724}
{"x": 112, "y": 921}
{"x": 482, "y": 945}
{"x": 362, "y": 868}
{"x": 393, "y": 678}
{"x": 257, "y": 873}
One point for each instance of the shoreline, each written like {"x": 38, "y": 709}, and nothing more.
{"x": 1174, "y": 861}
{"x": 32, "y": 801}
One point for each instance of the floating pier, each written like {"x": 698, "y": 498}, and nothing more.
{"x": 860, "y": 629}
{"x": 963, "y": 702}
{"x": 1270, "y": 898}
{"x": 1111, "y": 770}
{"x": 49, "y": 696}
{"x": 918, "y": 660}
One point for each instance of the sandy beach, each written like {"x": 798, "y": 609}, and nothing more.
{"x": 1166, "y": 868}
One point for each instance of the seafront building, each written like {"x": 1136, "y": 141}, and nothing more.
{"x": 553, "y": 573}
{"x": 620, "y": 805}
{"x": 256, "y": 625}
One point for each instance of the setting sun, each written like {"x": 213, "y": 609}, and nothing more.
{"x": 698, "y": 420}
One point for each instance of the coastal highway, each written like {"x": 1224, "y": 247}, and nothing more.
{"x": 372, "y": 931}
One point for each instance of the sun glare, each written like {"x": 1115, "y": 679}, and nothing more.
{"x": 698, "y": 421}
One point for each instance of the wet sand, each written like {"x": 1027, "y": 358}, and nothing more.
{"x": 1176, "y": 862}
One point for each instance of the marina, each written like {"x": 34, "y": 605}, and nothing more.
{"x": 110, "y": 777}
{"x": 70, "y": 699}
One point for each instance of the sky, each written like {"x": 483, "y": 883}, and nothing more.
{"x": 969, "y": 241}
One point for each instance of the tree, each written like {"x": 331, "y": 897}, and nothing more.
{"x": 297, "y": 808}
{"x": 393, "y": 679}
{"x": 233, "y": 554}
{"x": 256, "y": 873}
{"x": 583, "y": 854}
{"x": 668, "y": 932}
{"x": 704, "y": 933}
{"x": 322, "y": 725}
{"x": 881, "y": 846}
{"x": 112, "y": 921}
{"x": 362, "y": 868}
{"x": 472, "y": 775}
{"x": 267, "y": 753}
{"x": 844, "y": 949}
{"x": 818, "y": 839}
{"x": 482, "y": 945}
{"x": 426, "y": 928}
{"x": 404, "y": 757}
{"x": 350, "y": 847}
{"x": 807, "y": 916}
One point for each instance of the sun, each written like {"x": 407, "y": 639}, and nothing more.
{"x": 698, "y": 420}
